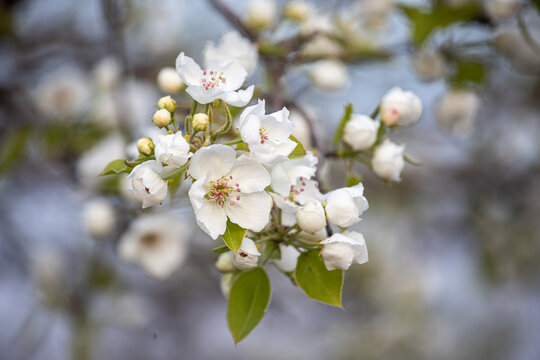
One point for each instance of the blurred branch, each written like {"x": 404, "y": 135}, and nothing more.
{"x": 233, "y": 19}
{"x": 527, "y": 34}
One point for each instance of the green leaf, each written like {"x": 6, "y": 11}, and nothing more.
{"x": 353, "y": 180}
{"x": 298, "y": 151}
{"x": 233, "y": 236}
{"x": 248, "y": 300}
{"x": 317, "y": 282}
{"x": 346, "y": 117}
{"x": 468, "y": 72}
{"x": 12, "y": 147}
{"x": 115, "y": 167}
{"x": 242, "y": 146}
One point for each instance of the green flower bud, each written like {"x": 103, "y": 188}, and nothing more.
{"x": 162, "y": 118}
{"x": 200, "y": 121}
{"x": 145, "y": 145}
{"x": 168, "y": 103}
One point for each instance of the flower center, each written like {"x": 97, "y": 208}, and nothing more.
{"x": 296, "y": 189}
{"x": 211, "y": 79}
{"x": 222, "y": 189}
{"x": 150, "y": 240}
{"x": 264, "y": 135}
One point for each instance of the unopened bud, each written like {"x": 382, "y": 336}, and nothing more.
{"x": 224, "y": 263}
{"x": 168, "y": 103}
{"x": 311, "y": 217}
{"x": 297, "y": 10}
{"x": 161, "y": 118}
{"x": 145, "y": 145}
{"x": 200, "y": 121}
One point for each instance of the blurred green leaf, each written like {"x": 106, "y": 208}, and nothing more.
{"x": 116, "y": 167}
{"x": 317, "y": 282}
{"x": 346, "y": 117}
{"x": 468, "y": 72}
{"x": 353, "y": 180}
{"x": 233, "y": 235}
{"x": 298, "y": 151}
{"x": 12, "y": 147}
{"x": 248, "y": 301}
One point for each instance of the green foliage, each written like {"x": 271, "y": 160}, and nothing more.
{"x": 248, "y": 301}
{"x": 353, "y": 180}
{"x": 12, "y": 146}
{"x": 298, "y": 151}
{"x": 425, "y": 21}
{"x": 317, "y": 282}
{"x": 116, "y": 167}
{"x": 346, "y": 117}
{"x": 233, "y": 236}
{"x": 72, "y": 138}
{"x": 468, "y": 72}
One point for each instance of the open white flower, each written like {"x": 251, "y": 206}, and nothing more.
{"x": 247, "y": 256}
{"x": 220, "y": 80}
{"x": 172, "y": 149}
{"x": 228, "y": 187}
{"x": 457, "y": 109}
{"x": 344, "y": 206}
{"x": 146, "y": 185}
{"x": 232, "y": 47}
{"x": 400, "y": 107}
{"x": 98, "y": 217}
{"x": 267, "y": 135}
{"x": 157, "y": 242}
{"x": 286, "y": 174}
{"x": 388, "y": 160}
{"x": 360, "y": 132}
{"x": 341, "y": 250}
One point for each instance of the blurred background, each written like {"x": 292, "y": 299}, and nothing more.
{"x": 454, "y": 270}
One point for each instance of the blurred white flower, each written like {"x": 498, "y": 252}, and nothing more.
{"x": 509, "y": 42}
{"x": 298, "y": 10}
{"x": 341, "y": 250}
{"x": 247, "y": 256}
{"x": 93, "y": 161}
{"x": 105, "y": 111}
{"x": 172, "y": 149}
{"x": 137, "y": 103}
{"x": 345, "y": 206}
{"x": 400, "y": 107}
{"x": 48, "y": 269}
{"x": 388, "y": 160}
{"x": 289, "y": 258}
{"x": 360, "y": 132}
{"x": 220, "y": 80}
{"x": 329, "y": 75}
{"x": 63, "y": 93}
{"x": 232, "y": 47}
{"x": 261, "y": 13}
{"x": 226, "y": 284}
{"x": 317, "y": 23}
{"x": 267, "y": 135}
{"x": 227, "y": 187}
{"x": 501, "y": 9}
{"x": 99, "y": 217}
{"x": 457, "y": 109}
{"x": 301, "y": 130}
{"x": 169, "y": 81}
{"x": 429, "y": 64}
{"x": 311, "y": 217}
{"x": 322, "y": 46}
{"x": 107, "y": 74}
{"x": 375, "y": 12}
{"x": 224, "y": 262}
{"x": 146, "y": 185}
{"x": 158, "y": 242}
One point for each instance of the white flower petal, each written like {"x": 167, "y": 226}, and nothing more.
{"x": 250, "y": 175}
{"x": 255, "y": 110}
{"x": 252, "y": 211}
{"x": 214, "y": 160}
{"x": 211, "y": 218}
{"x": 250, "y": 130}
{"x": 190, "y": 72}
{"x": 238, "y": 98}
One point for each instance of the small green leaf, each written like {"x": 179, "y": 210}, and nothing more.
{"x": 346, "y": 117}
{"x": 233, "y": 235}
{"x": 242, "y": 146}
{"x": 248, "y": 301}
{"x": 116, "y": 167}
{"x": 468, "y": 72}
{"x": 298, "y": 151}
{"x": 317, "y": 282}
{"x": 353, "y": 180}
{"x": 12, "y": 147}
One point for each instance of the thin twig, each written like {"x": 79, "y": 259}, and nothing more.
{"x": 233, "y": 19}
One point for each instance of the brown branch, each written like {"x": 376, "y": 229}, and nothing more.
{"x": 233, "y": 19}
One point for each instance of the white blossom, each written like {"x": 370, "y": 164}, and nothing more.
{"x": 388, "y": 160}
{"x": 172, "y": 149}
{"x": 429, "y": 65}
{"x": 400, "y": 107}
{"x": 457, "y": 109}
{"x": 286, "y": 174}
{"x": 220, "y": 80}
{"x": 228, "y": 187}
{"x": 247, "y": 256}
{"x": 261, "y": 13}
{"x": 342, "y": 250}
{"x": 298, "y": 10}
{"x": 158, "y": 242}
{"x": 169, "y": 81}
{"x": 301, "y": 129}
{"x": 98, "y": 217}
{"x": 345, "y": 206}
{"x": 146, "y": 185}
{"x": 267, "y": 135}
{"x": 330, "y": 75}
{"x": 232, "y": 47}
{"x": 501, "y": 9}
{"x": 311, "y": 217}
{"x": 360, "y": 132}
{"x": 107, "y": 74}
{"x": 289, "y": 258}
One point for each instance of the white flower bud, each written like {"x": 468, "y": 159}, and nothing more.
{"x": 311, "y": 217}
{"x": 429, "y": 65}
{"x": 146, "y": 185}
{"x": 341, "y": 250}
{"x": 224, "y": 262}
{"x": 99, "y": 218}
{"x": 388, "y": 160}
{"x": 172, "y": 149}
{"x": 162, "y": 118}
{"x": 345, "y": 206}
{"x": 168, "y": 103}
{"x": 330, "y": 75}
{"x": 297, "y": 10}
{"x": 457, "y": 109}
{"x": 145, "y": 145}
{"x": 169, "y": 81}
{"x": 360, "y": 132}
{"x": 400, "y": 107}
{"x": 200, "y": 121}
{"x": 261, "y": 13}
{"x": 226, "y": 284}
{"x": 247, "y": 256}
{"x": 501, "y": 9}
